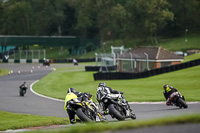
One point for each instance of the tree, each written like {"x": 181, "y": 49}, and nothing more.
{"x": 149, "y": 16}
{"x": 119, "y": 21}
{"x": 17, "y": 18}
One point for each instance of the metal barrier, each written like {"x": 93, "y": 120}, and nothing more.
{"x": 125, "y": 75}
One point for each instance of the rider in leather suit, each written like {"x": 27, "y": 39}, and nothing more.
{"x": 103, "y": 90}
{"x": 71, "y": 94}
{"x": 168, "y": 91}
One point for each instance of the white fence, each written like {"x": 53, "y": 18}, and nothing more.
{"x": 26, "y": 54}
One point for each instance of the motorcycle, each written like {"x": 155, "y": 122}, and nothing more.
{"x": 116, "y": 106}
{"x": 178, "y": 100}
{"x": 22, "y": 89}
{"x": 87, "y": 111}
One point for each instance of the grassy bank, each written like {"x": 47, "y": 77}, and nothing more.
{"x": 146, "y": 89}
{"x": 16, "y": 121}
{"x": 117, "y": 126}
{"x": 191, "y": 57}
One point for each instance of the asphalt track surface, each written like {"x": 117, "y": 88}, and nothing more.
{"x": 10, "y": 101}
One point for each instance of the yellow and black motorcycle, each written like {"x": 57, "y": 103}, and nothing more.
{"x": 85, "y": 109}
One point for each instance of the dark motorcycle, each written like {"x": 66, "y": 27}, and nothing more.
{"x": 46, "y": 62}
{"x": 117, "y": 106}
{"x": 87, "y": 111}
{"x": 22, "y": 89}
{"x": 178, "y": 100}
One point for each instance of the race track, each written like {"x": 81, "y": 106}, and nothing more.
{"x": 31, "y": 103}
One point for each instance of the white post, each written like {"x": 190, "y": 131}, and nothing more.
{"x": 147, "y": 58}
{"x": 114, "y": 59}
{"x": 96, "y": 59}
{"x": 131, "y": 60}
{"x": 112, "y": 49}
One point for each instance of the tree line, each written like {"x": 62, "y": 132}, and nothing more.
{"x": 104, "y": 19}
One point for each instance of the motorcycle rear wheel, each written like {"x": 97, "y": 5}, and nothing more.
{"x": 182, "y": 103}
{"x": 119, "y": 115}
{"x": 82, "y": 115}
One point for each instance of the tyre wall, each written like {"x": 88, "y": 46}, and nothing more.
{"x": 124, "y": 75}
{"x": 100, "y": 68}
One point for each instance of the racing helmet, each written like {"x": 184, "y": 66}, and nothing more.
{"x": 102, "y": 84}
{"x": 71, "y": 90}
{"x": 165, "y": 86}
{"x": 171, "y": 87}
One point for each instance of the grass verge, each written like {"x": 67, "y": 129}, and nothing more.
{"x": 116, "y": 126}
{"x": 17, "y": 121}
{"x": 3, "y": 72}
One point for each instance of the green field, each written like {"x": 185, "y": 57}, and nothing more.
{"x": 16, "y": 121}
{"x": 191, "y": 57}
{"x": 147, "y": 89}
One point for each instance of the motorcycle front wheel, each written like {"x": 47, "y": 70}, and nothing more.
{"x": 80, "y": 113}
{"x": 117, "y": 112}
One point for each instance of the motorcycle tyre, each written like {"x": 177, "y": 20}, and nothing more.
{"x": 182, "y": 102}
{"x": 116, "y": 113}
{"x": 82, "y": 116}
{"x": 133, "y": 116}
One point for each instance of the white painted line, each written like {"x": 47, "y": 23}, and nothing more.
{"x": 160, "y": 102}
{"x": 147, "y": 102}
{"x": 129, "y": 102}
{"x": 43, "y": 95}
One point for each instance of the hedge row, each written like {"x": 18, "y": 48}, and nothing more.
{"x": 126, "y": 75}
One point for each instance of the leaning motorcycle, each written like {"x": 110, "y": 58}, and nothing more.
{"x": 22, "y": 90}
{"x": 117, "y": 106}
{"x": 87, "y": 111}
{"x": 178, "y": 100}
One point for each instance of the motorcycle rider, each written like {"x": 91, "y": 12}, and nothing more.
{"x": 23, "y": 87}
{"x": 104, "y": 90}
{"x": 168, "y": 91}
{"x": 72, "y": 94}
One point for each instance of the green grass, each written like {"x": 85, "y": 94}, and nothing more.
{"x": 16, "y": 121}
{"x": 117, "y": 126}
{"x": 191, "y": 57}
{"x": 147, "y": 89}
{"x": 179, "y": 44}
{"x": 3, "y": 72}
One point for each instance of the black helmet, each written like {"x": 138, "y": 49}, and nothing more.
{"x": 102, "y": 84}
{"x": 165, "y": 86}
{"x": 71, "y": 90}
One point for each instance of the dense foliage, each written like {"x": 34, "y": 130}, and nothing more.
{"x": 104, "y": 19}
